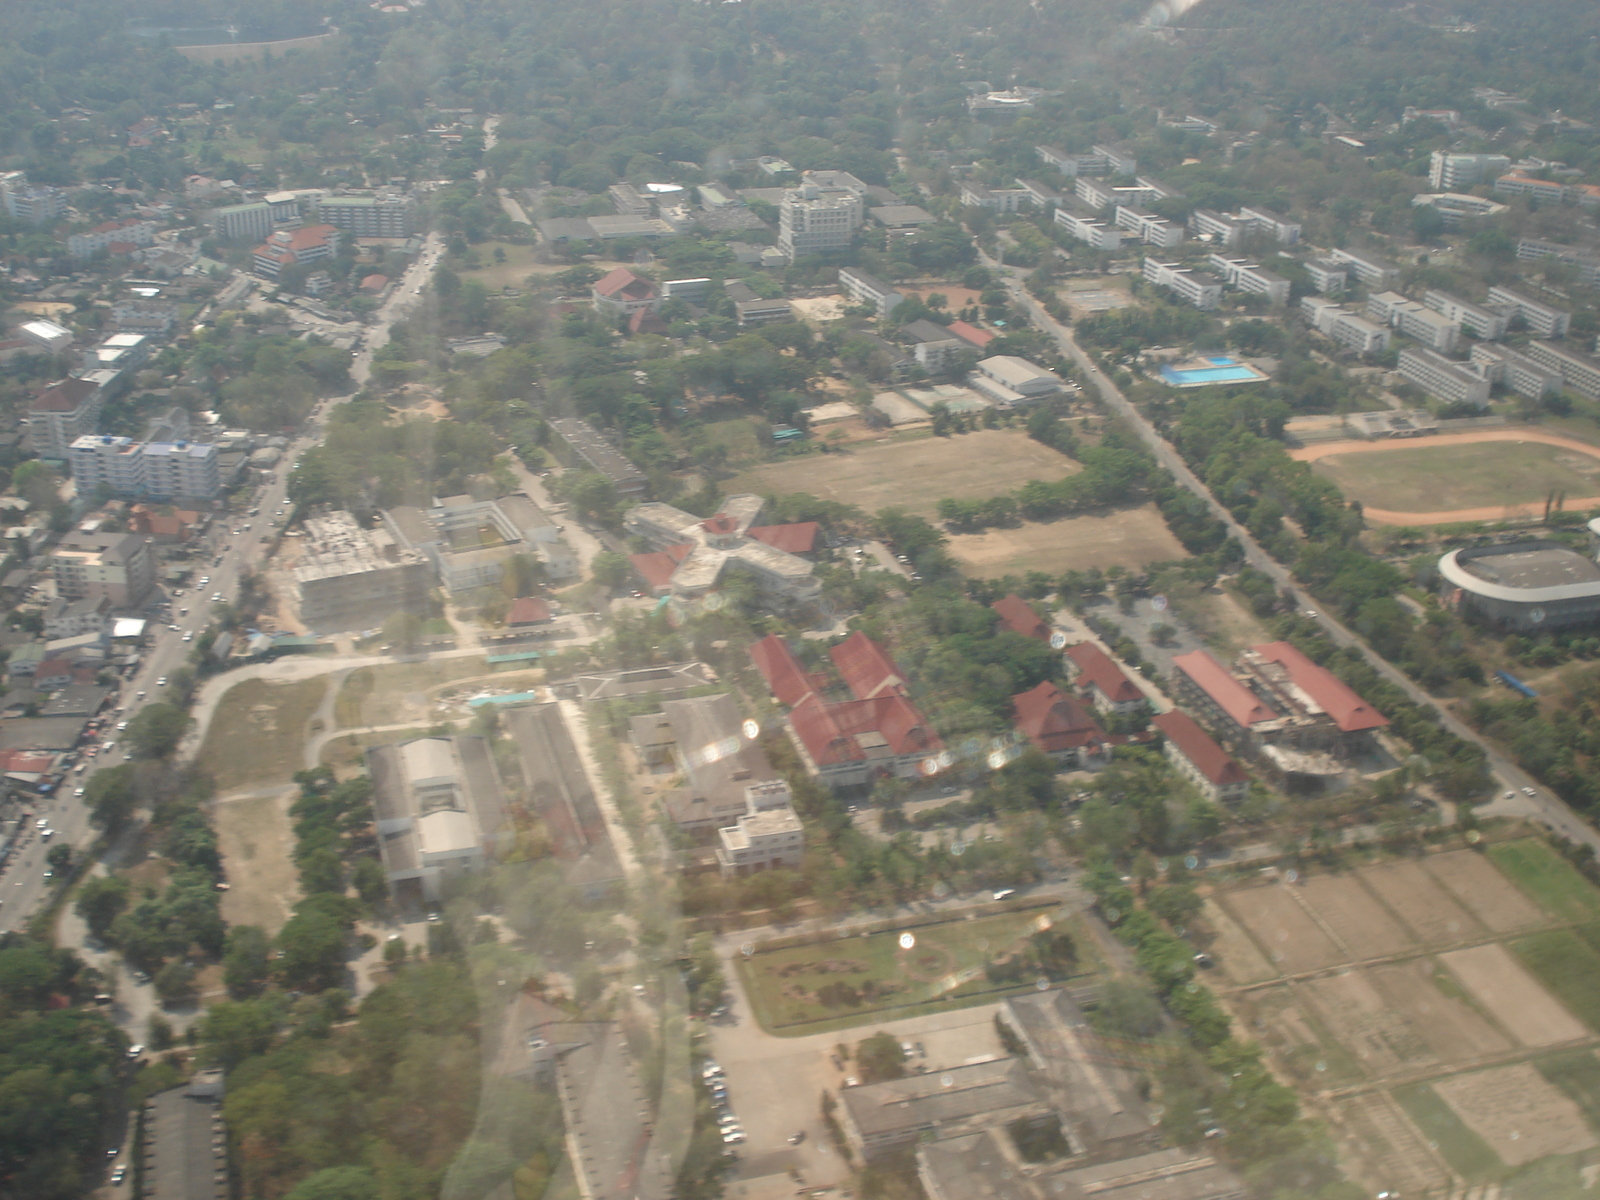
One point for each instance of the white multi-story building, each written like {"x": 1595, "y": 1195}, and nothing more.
{"x": 1192, "y": 287}
{"x": 1541, "y": 319}
{"x": 1481, "y": 322}
{"x": 32, "y": 204}
{"x": 153, "y": 318}
{"x": 1518, "y": 184}
{"x": 1340, "y": 325}
{"x": 238, "y": 221}
{"x": 1072, "y": 165}
{"x": 1587, "y": 262}
{"x": 382, "y": 216}
{"x": 1327, "y": 276}
{"x": 1250, "y": 278}
{"x": 1119, "y": 160}
{"x": 868, "y": 289}
{"x": 1437, "y": 375}
{"x": 1368, "y": 268}
{"x": 1434, "y": 330}
{"x": 1501, "y": 364}
{"x": 1578, "y": 371}
{"x": 1006, "y": 200}
{"x": 130, "y": 231}
{"x": 1222, "y": 230}
{"x": 1149, "y": 228}
{"x": 294, "y": 247}
{"x": 1457, "y": 172}
{"x": 821, "y": 214}
{"x": 145, "y": 470}
{"x": 1088, "y": 227}
{"x": 62, "y": 413}
{"x": 1261, "y": 220}
{"x": 1096, "y": 193}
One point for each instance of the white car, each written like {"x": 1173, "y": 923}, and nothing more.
{"x": 216, "y": 597}
{"x": 188, "y": 636}
{"x": 162, "y": 682}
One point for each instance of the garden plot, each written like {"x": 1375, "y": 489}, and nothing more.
{"x": 1519, "y": 1113}
{"x": 1474, "y": 880}
{"x": 1356, "y": 919}
{"x": 1433, "y": 914}
{"x": 1291, "y": 939}
{"x": 1513, "y": 997}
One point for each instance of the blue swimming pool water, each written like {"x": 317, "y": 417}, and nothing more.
{"x": 1225, "y": 361}
{"x": 1228, "y": 374}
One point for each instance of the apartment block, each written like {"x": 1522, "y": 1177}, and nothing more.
{"x": 1224, "y": 230}
{"x": 1368, "y": 268}
{"x": 583, "y": 441}
{"x": 821, "y": 214}
{"x": 62, "y": 413}
{"x": 116, "y": 566}
{"x": 1437, "y": 375}
{"x": 383, "y": 216}
{"x": 1518, "y": 184}
{"x": 153, "y": 318}
{"x": 1072, "y": 165}
{"x": 1149, "y": 228}
{"x": 867, "y": 289}
{"x": 1192, "y": 287}
{"x": 625, "y": 198}
{"x": 1005, "y": 200}
{"x": 1587, "y": 262}
{"x": 1432, "y": 329}
{"x": 129, "y": 232}
{"x": 1456, "y": 209}
{"x": 1541, "y": 319}
{"x": 1119, "y": 160}
{"x": 1340, "y": 325}
{"x": 1327, "y": 276}
{"x": 1457, "y": 172}
{"x": 238, "y": 221}
{"x": 1580, "y": 372}
{"x": 1518, "y": 372}
{"x": 30, "y": 203}
{"x": 294, "y": 247}
{"x": 1262, "y": 220}
{"x": 1481, "y": 322}
{"x": 1096, "y": 193}
{"x": 1088, "y": 227}
{"x": 352, "y": 578}
{"x": 1248, "y": 277}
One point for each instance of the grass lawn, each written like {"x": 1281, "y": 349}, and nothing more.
{"x": 519, "y": 264}
{"x": 1464, "y": 1150}
{"x": 1439, "y": 478}
{"x": 258, "y": 733}
{"x": 391, "y": 692}
{"x": 872, "y": 977}
{"x": 1550, "y": 880}
{"x": 1576, "y": 1073}
{"x": 915, "y": 474}
{"x": 1569, "y": 967}
{"x": 1126, "y": 537}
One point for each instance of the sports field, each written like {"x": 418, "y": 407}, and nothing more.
{"x": 1128, "y": 537}
{"x": 913, "y": 475}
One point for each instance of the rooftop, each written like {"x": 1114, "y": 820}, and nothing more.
{"x": 1215, "y": 680}
{"x": 1195, "y": 744}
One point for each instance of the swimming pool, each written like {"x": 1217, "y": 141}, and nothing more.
{"x": 1223, "y": 369}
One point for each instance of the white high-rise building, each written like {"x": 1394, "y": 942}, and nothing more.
{"x": 822, "y": 214}
{"x": 1457, "y": 172}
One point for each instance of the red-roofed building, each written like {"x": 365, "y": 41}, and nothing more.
{"x": 657, "y": 568}
{"x": 26, "y": 762}
{"x": 291, "y": 247}
{"x": 799, "y": 538}
{"x": 1209, "y": 688}
{"x": 526, "y": 611}
{"x": 61, "y": 414}
{"x": 970, "y": 334}
{"x": 787, "y": 680}
{"x": 868, "y": 671}
{"x": 1096, "y": 675}
{"x": 855, "y": 741}
{"x": 1200, "y": 759}
{"x": 1058, "y": 723}
{"x": 622, "y": 293}
{"x": 1018, "y": 616}
{"x": 1308, "y": 690}
{"x": 374, "y": 284}
{"x": 645, "y": 321}
{"x": 173, "y": 526}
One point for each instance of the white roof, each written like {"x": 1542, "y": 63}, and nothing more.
{"x": 127, "y": 627}
{"x": 446, "y": 830}
{"x": 427, "y": 759}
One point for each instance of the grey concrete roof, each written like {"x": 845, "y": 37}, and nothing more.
{"x": 1528, "y": 573}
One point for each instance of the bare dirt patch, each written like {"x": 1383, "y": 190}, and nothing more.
{"x": 1356, "y": 919}
{"x": 1513, "y": 997}
{"x": 1453, "y": 1030}
{"x": 1130, "y": 537}
{"x": 1478, "y": 884}
{"x": 1366, "y": 1024}
{"x": 1290, "y": 937}
{"x": 255, "y": 834}
{"x": 1431, "y": 912}
{"x": 1399, "y": 1155}
{"x": 914, "y": 475}
{"x": 1518, "y": 1112}
{"x": 1241, "y": 959}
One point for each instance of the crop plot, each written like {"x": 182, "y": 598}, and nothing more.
{"x": 1434, "y": 915}
{"x": 1513, "y": 997}
{"x": 1290, "y": 938}
{"x": 1518, "y": 1113}
{"x": 1473, "y": 880}
{"x": 1355, "y": 917}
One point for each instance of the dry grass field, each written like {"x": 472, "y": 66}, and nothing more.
{"x": 1423, "y": 478}
{"x": 255, "y": 835}
{"x": 1128, "y": 537}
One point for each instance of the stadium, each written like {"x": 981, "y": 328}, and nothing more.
{"x": 1527, "y": 586}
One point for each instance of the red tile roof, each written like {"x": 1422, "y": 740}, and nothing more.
{"x": 374, "y": 283}
{"x": 655, "y": 569}
{"x": 866, "y": 668}
{"x": 832, "y": 733}
{"x": 971, "y": 334}
{"x": 645, "y": 321}
{"x": 1348, "y": 710}
{"x": 528, "y": 610}
{"x": 1054, "y": 720}
{"x": 26, "y": 762}
{"x": 788, "y": 681}
{"x": 624, "y": 284}
{"x": 66, "y": 395}
{"x": 799, "y": 538}
{"x": 1196, "y": 745}
{"x": 1096, "y": 667}
{"x": 720, "y": 523}
{"x": 1017, "y": 616}
{"x": 1231, "y": 696}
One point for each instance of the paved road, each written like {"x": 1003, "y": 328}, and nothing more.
{"x": 1540, "y": 806}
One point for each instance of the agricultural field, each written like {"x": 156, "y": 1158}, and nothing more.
{"x": 838, "y": 982}
{"x": 1457, "y": 994}
{"x": 913, "y": 475}
{"x": 1128, "y": 537}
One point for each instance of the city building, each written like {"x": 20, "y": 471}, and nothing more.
{"x": 145, "y": 470}
{"x": 1456, "y": 210}
{"x": 1321, "y": 711}
{"x": 869, "y": 290}
{"x": 1483, "y": 323}
{"x": 625, "y": 198}
{"x": 1212, "y": 226}
{"x": 1261, "y": 220}
{"x": 762, "y": 839}
{"x": 1587, "y": 262}
{"x": 119, "y": 567}
{"x": 1392, "y": 423}
{"x": 1005, "y": 105}
{"x": 1017, "y": 615}
{"x": 185, "y": 1141}
{"x": 1516, "y": 183}
{"x": 932, "y": 344}
{"x": 1087, "y": 227}
{"x": 438, "y": 810}
{"x": 1059, "y": 724}
{"x": 153, "y": 318}
{"x": 1578, "y": 371}
{"x": 1247, "y": 277}
{"x": 1147, "y": 227}
{"x": 354, "y": 578}
{"x": 1073, "y": 165}
{"x": 1457, "y": 172}
{"x": 1328, "y": 276}
{"x": 1434, "y": 330}
{"x": 46, "y": 334}
{"x": 294, "y": 247}
{"x": 386, "y": 215}
{"x": 32, "y": 204}
{"x": 1534, "y": 586}
{"x": 1095, "y": 674}
{"x": 1198, "y": 288}
{"x": 752, "y": 309}
{"x": 1012, "y": 382}
{"x": 1371, "y": 270}
{"x": 989, "y": 1166}
{"x": 234, "y": 222}
{"x": 61, "y": 414}
{"x": 702, "y": 550}
{"x": 1200, "y": 760}
{"x": 470, "y": 542}
{"x": 74, "y": 618}
{"x": 559, "y": 790}
{"x": 1208, "y": 687}
{"x": 1005, "y": 200}
{"x": 621, "y": 293}
{"x": 1518, "y": 372}
{"x": 1450, "y": 381}
{"x": 582, "y": 442}
{"x": 702, "y": 740}
{"x": 879, "y": 1118}
{"x": 1542, "y": 320}
{"x": 821, "y": 214}
{"x": 130, "y": 232}
{"x": 1119, "y": 160}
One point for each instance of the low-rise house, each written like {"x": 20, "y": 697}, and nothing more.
{"x": 1017, "y": 615}
{"x": 622, "y": 293}
{"x": 1059, "y": 724}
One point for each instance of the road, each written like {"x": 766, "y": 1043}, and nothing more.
{"x": 1540, "y": 806}
{"x": 232, "y": 549}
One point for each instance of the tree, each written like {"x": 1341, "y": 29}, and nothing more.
{"x": 232, "y": 1031}
{"x": 403, "y": 631}
{"x": 157, "y": 730}
{"x": 100, "y": 901}
{"x": 110, "y": 797}
{"x": 245, "y": 967}
{"x": 880, "y": 1058}
{"x": 610, "y": 569}
{"x": 175, "y": 982}
{"x": 337, "y": 1183}
{"x": 312, "y": 943}
{"x": 59, "y": 858}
